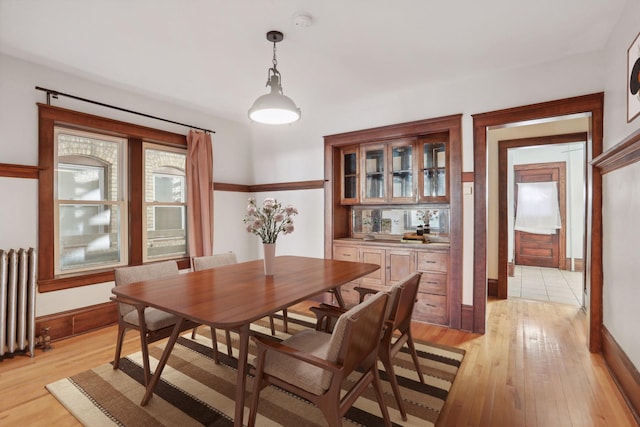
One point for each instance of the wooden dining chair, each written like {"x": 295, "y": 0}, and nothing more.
{"x": 212, "y": 261}
{"x": 152, "y": 324}
{"x": 218, "y": 260}
{"x": 402, "y": 298}
{"x": 314, "y": 364}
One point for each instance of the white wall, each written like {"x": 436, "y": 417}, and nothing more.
{"x": 19, "y": 145}
{"x": 621, "y": 198}
{"x": 289, "y": 153}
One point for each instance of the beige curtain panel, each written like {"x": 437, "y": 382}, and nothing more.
{"x": 199, "y": 193}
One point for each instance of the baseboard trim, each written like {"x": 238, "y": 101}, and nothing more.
{"x": 624, "y": 373}
{"x": 578, "y": 264}
{"x": 466, "y": 318}
{"x": 77, "y": 321}
{"x": 492, "y": 287}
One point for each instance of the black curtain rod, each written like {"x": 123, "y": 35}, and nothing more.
{"x": 55, "y": 94}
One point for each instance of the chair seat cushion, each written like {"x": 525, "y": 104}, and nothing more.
{"x": 155, "y": 319}
{"x": 303, "y": 375}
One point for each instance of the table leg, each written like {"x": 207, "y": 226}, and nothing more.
{"x": 338, "y": 295}
{"x": 243, "y": 354}
{"x": 163, "y": 361}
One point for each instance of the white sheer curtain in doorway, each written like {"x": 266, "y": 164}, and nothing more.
{"x": 537, "y": 209}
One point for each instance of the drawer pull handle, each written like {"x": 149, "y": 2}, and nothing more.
{"x": 430, "y": 262}
{"x": 432, "y": 282}
{"x": 431, "y": 305}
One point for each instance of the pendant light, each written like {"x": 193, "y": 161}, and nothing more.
{"x": 274, "y": 108}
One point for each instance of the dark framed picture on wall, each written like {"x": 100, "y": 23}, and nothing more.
{"x": 633, "y": 79}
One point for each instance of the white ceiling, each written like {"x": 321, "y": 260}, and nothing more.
{"x": 212, "y": 54}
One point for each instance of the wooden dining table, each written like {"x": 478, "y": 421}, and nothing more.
{"x": 233, "y": 296}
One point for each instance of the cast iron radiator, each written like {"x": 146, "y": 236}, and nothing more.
{"x": 17, "y": 301}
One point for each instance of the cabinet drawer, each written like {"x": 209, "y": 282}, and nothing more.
{"x": 345, "y": 253}
{"x": 431, "y": 308}
{"x": 433, "y": 261}
{"x": 433, "y": 283}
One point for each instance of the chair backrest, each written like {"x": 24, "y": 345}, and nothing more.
{"x": 357, "y": 332}
{"x": 213, "y": 261}
{"x": 402, "y": 306}
{"x": 137, "y": 273}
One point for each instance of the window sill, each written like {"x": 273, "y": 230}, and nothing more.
{"x": 60, "y": 283}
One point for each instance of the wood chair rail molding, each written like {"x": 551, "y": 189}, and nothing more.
{"x": 279, "y": 186}
{"x": 625, "y": 153}
{"x": 18, "y": 171}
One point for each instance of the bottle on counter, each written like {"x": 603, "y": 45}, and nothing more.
{"x": 419, "y": 230}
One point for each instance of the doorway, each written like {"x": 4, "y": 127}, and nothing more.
{"x": 535, "y": 244}
{"x": 562, "y": 158}
{"x": 590, "y": 106}
{"x": 544, "y": 274}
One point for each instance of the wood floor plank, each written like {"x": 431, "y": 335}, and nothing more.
{"x": 531, "y": 368}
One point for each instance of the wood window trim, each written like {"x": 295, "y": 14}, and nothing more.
{"x": 49, "y": 117}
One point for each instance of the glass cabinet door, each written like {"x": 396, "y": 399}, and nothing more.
{"x": 349, "y": 168}
{"x": 402, "y": 176}
{"x": 374, "y": 173}
{"x": 433, "y": 169}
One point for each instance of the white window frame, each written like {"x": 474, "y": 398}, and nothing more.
{"x": 121, "y": 202}
{"x": 146, "y": 204}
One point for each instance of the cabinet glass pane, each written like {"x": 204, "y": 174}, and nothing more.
{"x": 402, "y": 172}
{"x": 435, "y": 170}
{"x": 350, "y": 176}
{"x": 350, "y": 167}
{"x": 350, "y": 190}
{"x": 374, "y": 170}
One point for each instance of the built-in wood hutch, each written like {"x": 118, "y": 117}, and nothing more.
{"x": 385, "y": 184}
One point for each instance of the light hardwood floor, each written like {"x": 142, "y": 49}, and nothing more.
{"x": 531, "y": 368}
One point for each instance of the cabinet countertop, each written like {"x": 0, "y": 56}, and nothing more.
{"x": 437, "y": 246}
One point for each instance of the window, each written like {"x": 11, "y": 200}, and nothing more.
{"x": 91, "y": 215}
{"x": 165, "y": 203}
{"x": 110, "y": 194}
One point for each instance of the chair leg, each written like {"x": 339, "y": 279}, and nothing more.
{"x": 116, "y": 359}
{"x": 193, "y": 333}
{"x": 388, "y": 367}
{"x": 414, "y": 356}
{"x": 377, "y": 387}
{"x": 285, "y": 321}
{"x": 214, "y": 343}
{"x": 229, "y": 348}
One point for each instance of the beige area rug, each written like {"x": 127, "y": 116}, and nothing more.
{"x": 196, "y": 391}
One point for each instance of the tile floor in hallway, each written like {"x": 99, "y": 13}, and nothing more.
{"x": 546, "y": 284}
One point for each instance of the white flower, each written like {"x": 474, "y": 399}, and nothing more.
{"x": 290, "y": 210}
{"x": 270, "y": 220}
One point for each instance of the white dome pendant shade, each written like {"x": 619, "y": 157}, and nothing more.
{"x": 274, "y": 108}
